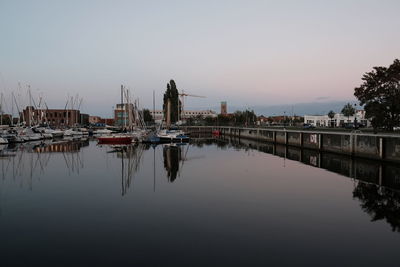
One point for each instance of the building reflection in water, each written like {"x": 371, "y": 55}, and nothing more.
{"x": 28, "y": 161}
{"x": 376, "y": 183}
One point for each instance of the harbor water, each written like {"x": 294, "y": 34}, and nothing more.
{"x": 212, "y": 202}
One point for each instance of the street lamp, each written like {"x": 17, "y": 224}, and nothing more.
{"x": 355, "y": 116}
{"x": 284, "y": 118}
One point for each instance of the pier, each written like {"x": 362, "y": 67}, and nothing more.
{"x": 373, "y": 146}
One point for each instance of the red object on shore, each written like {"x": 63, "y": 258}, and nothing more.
{"x": 115, "y": 139}
{"x": 216, "y": 132}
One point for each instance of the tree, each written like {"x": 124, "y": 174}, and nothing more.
{"x": 147, "y": 116}
{"x": 380, "y": 93}
{"x": 172, "y": 94}
{"x": 348, "y": 110}
{"x": 331, "y": 115}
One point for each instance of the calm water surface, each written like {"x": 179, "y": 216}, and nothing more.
{"x": 211, "y": 203}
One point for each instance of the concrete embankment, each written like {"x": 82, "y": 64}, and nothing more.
{"x": 374, "y": 146}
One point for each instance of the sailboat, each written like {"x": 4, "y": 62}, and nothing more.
{"x": 122, "y": 138}
{"x": 171, "y": 134}
{"x": 3, "y": 140}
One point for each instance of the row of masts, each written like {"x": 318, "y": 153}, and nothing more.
{"x": 72, "y": 103}
{"x": 132, "y": 116}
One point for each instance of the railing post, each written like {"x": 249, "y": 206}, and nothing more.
{"x": 286, "y": 138}
{"x": 320, "y": 141}
{"x": 351, "y": 144}
{"x": 301, "y": 139}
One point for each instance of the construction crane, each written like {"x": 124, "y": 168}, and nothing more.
{"x": 183, "y": 94}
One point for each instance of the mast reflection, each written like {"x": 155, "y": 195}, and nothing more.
{"x": 29, "y": 161}
{"x": 130, "y": 157}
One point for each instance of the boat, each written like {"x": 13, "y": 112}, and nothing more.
{"x": 172, "y": 135}
{"x": 84, "y": 131}
{"x": 49, "y": 133}
{"x": 57, "y": 133}
{"x": 102, "y": 132}
{"x": 13, "y": 138}
{"x": 216, "y": 133}
{"x": 115, "y": 139}
{"x": 27, "y": 134}
{"x": 71, "y": 132}
{"x": 47, "y": 136}
{"x": 152, "y": 138}
{"x": 3, "y": 140}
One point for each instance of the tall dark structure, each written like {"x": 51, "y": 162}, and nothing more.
{"x": 224, "y": 108}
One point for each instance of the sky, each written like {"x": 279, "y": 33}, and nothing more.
{"x": 244, "y": 52}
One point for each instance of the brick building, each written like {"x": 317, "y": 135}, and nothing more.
{"x": 52, "y": 117}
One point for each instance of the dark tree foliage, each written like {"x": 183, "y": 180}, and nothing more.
{"x": 239, "y": 118}
{"x": 147, "y": 116}
{"x": 246, "y": 118}
{"x": 173, "y": 95}
{"x": 380, "y": 93}
{"x": 331, "y": 115}
{"x": 223, "y": 120}
{"x": 348, "y": 110}
{"x": 6, "y": 120}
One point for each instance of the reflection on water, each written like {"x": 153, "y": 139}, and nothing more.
{"x": 378, "y": 172}
{"x": 172, "y": 157}
{"x": 380, "y": 203}
{"x": 244, "y": 202}
{"x": 130, "y": 158}
{"x": 376, "y": 183}
{"x": 27, "y": 162}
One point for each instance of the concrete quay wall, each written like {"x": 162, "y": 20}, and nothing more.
{"x": 374, "y": 146}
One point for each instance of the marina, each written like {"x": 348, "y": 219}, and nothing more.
{"x": 199, "y": 133}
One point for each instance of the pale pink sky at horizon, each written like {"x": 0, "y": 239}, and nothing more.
{"x": 244, "y": 52}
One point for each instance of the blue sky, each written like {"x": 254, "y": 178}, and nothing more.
{"x": 244, "y": 52}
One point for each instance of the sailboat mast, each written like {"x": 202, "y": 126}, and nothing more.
{"x": 19, "y": 114}
{"x": 129, "y": 110}
{"x": 1, "y": 105}
{"x": 12, "y": 109}
{"x": 30, "y": 105}
{"x": 154, "y": 106}
{"x": 123, "y": 115}
{"x": 122, "y": 94}
{"x": 66, "y": 111}
{"x": 70, "y": 111}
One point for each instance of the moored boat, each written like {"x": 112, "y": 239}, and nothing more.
{"x": 172, "y": 135}
{"x": 115, "y": 139}
{"x": 102, "y": 132}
